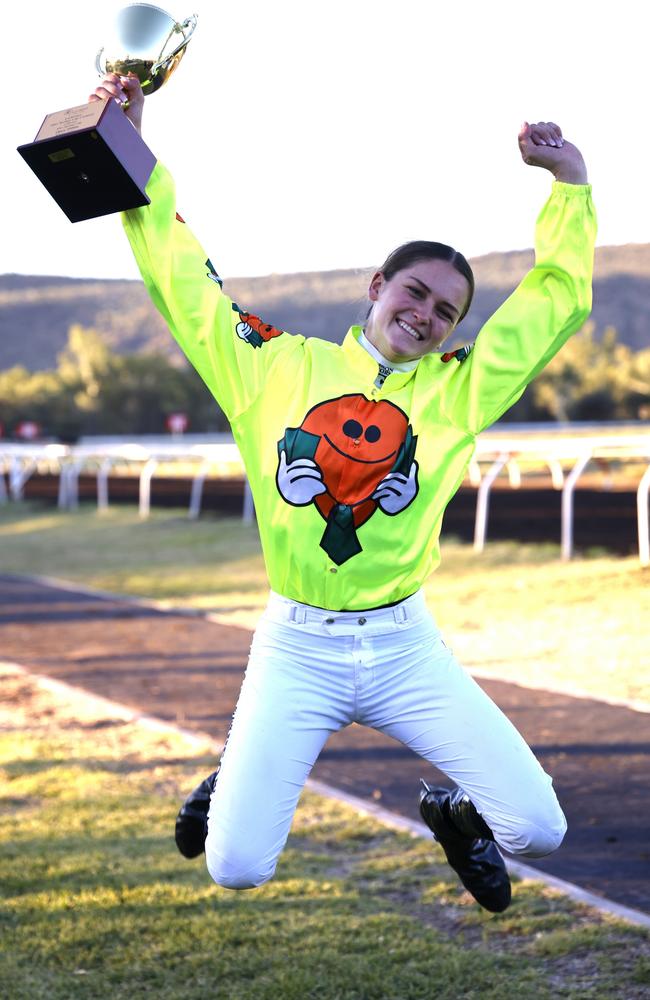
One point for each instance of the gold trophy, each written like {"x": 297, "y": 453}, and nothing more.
{"x": 90, "y": 158}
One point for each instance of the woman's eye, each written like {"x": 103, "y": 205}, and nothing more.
{"x": 415, "y": 291}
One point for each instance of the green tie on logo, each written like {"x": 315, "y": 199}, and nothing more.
{"x": 340, "y": 537}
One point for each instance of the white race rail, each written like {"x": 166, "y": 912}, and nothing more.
{"x": 557, "y": 452}
{"x": 494, "y": 449}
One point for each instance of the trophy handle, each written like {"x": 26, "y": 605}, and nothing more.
{"x": 98, "y": 63}
{"x": 189, "y": 22}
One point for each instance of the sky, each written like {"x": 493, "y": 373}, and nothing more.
{"x": 309, "y": 136}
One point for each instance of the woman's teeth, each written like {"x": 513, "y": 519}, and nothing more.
{"x": 409, "y": 329}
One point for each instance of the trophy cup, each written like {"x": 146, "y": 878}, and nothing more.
{"x": 90, "y": 158}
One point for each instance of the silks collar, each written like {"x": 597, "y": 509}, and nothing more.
{"x": 358, "y": 357}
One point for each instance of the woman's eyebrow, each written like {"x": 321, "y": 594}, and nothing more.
{"x": 427, "y": 289}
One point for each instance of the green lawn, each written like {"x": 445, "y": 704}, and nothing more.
{"x": 96, "y": 903}
{"x": 515, "y": 611}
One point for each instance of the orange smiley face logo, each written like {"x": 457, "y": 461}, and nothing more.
{"x": 359, "y": 444}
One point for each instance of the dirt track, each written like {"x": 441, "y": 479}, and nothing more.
{"x": 188, "y": 670}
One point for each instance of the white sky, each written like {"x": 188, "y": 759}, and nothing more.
{"x": 310, "y": 136}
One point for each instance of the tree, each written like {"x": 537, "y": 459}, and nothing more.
{"x": 590, "y": 379}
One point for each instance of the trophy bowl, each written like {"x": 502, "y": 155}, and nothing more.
{"x": 90, "y": 158}
{"x": 146, "y": 41}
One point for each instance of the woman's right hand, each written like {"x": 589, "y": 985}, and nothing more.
{"x": 543, "y": 145}
{"x": 122, "y": 89}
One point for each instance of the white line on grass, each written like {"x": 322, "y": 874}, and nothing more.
{"x": 203, "y": 741}
{"x": 216, "y": 619}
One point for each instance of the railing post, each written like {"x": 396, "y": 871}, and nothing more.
{"x": 102, "y": 483}
{"x": 483, "y": 500}
{"x": 567, "y": 504}
{"x": 148, "y": 470}
{"x": 19, "y": 473}
{"x": 62, "y": 496}
{"x": 73, "y": 484}
{"x": 197, "y": 491}
{"x": 68, "y": 497}
{"x": 642, "y": 518}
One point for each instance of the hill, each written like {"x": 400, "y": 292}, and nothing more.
{"x": 37, "y": 312}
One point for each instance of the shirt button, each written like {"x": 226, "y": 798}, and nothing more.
{"x": 362, "y": 621}
{"x": 333, "y": 569}
{"x": 329, "y": 621}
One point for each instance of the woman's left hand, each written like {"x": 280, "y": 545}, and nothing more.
{"x": 543, "y": 145}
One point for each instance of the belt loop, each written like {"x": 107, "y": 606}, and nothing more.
{"x": 400, "y": 614}
{"x": 295, "y": 613}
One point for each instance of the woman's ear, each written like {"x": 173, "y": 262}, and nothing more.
{"x": 376, "y": 286}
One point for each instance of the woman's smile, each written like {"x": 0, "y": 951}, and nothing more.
{"x": 409, "y": 329}
{"x": 416, "y": 309}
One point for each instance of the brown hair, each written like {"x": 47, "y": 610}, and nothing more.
{"x": 417, "y": 250}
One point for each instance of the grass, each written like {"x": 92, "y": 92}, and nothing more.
{"x": 515, "y": 611}
{"x": 95, "y": 902}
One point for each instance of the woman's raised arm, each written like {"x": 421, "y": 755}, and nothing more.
{"x": 552, "y": 301}
{"x": 220, "y": 340}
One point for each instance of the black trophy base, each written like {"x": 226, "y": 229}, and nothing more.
{"x": 99, "y": 167}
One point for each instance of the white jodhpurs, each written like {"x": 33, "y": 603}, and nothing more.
{"x": 310, "y": 673}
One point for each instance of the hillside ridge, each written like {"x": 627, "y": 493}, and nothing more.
{"x": 36, "y": 311}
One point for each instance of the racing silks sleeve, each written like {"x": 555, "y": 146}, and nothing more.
{"x": 221, "y": 341}
{"x": 551, "y": 303}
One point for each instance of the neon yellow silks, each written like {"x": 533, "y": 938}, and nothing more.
{"x": 350, "y": 481}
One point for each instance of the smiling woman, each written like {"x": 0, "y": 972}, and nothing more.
{"x": 352, "y": 453}
{"x": 419, "y": 295}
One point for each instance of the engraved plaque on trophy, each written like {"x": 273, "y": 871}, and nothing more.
{"x": 91, "y": 158}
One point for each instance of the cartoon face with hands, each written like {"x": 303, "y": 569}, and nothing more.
{"x": 349, "y": 456}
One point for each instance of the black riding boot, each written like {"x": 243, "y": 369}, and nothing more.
{"x": 469, "y": 845}
{"x": 192, "y": 820}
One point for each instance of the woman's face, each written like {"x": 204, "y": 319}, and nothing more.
{"x": 416, "y": 310}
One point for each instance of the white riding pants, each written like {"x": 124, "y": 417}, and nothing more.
{"x": 310, "y": 673}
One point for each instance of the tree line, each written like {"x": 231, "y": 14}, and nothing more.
{"x": 96, "y": 391}
{"x": 591, "y": 378}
